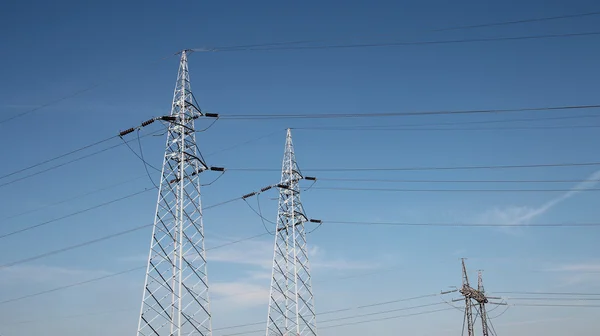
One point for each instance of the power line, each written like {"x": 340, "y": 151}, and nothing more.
{"x": 455, "y": 190}
{"x": 67, "y": 162}
{"x": 71, "y": 95}
{"x": 56, "y": 289}
{"x": 549, "y": 293}
{"x": 404, "y": 44}
{"x": 353, "y": 323}
{"x": 494, "y": 121}
{"x": 474, "y": 26}
{"x": 77, "y": 197}
{"x": 449, "y": 181}
{"x": 556, "y": 305}
{"x": 31, "y": 227}
{"x": 424, "y": 168}
{"x": 514, "y": 128}
{"x": 72, "y": 247}
{"x": 104, "y": 238}
{"x": 74, "y": 94}
{"x": 113, "y": 274}
{"x": 495, "y": 24}
{"x": 402, "y": 114}
{"x": 553, "y": 299}
{"x": 482, "y": 225}
{"x": 57, "y": 157}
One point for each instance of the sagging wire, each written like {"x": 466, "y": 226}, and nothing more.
{"x": 209, "y": 126}
{"x": 215, "y": 180}
{"x": 172, "y": 120}
{"x": 318, "y": 222}
{"x": 146, "y": 164}
{"x": 502, "y": 313}
{"x": 451, "y": 305}
{"x": 310, "y": 178}
{"x": 259, "y": 214}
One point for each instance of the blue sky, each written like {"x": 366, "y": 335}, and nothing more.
{"x": 122, "y": 49}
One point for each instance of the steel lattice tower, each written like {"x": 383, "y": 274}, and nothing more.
{"x": 467, "y": 291}
{"x": 291, "y": 303}
{"x": 475, "y": 299}
{"x": 175, "y": 300}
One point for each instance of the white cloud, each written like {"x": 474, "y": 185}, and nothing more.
{"x": 520, "y": 215}
{"x": 239, "y": 294}
{"x": 260, "y": 254}
{"x": 579, "y": 267}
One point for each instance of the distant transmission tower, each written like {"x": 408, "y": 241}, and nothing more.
{"x": 475, "y": 300}
{"x": 175, "y": 300}
{"x": 291, "y": 303}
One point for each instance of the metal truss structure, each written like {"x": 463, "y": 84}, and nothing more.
{"x": 291, "y": 302}
{"x": 475, "y": 300}
{"x": 175, "y": 300}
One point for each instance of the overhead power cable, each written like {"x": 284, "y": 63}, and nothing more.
{"x": 481, "y": 225}
{"x": 350, "y": 323}
{"x": 58, "y": 157}
{"x": 553, "y": 299}
{"x": 104, "y": 238}
{"x": 550, "y": 293}
{"x": 71, "y": 95}
{"x": 425, "y": 168}
{"x": 555, "y": 305}
{"x": 455, "y": 190}
{"x": 480, "y": 122}
{"x": 113, "y": 274}
{"x": 454, "y": 129}
{"x": 73, "y": 247}
{"x": 460, "y": 27}
{"x": 450, "y": 181}
{"x": 402, "y": 43}
{"x": 31, "y": 227}
{"x": 402, "y": 114}
{"x": 506, "y": 23}
{"x": 73, "y": 198}
{"x": 69, "y": 162}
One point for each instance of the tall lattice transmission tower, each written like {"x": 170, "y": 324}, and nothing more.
{"x": 475, "y": 301}
{"x": 291, "y": 302}
{"x": 175, "y": 300}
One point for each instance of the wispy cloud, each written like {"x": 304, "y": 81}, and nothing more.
{"x": 578, "y": 267}
{"x": 519, "y": 215}
{"x": 239, "y": 294}
{"x": 260, "y": 254}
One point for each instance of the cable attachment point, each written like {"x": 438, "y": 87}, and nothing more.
{"x": 249, "y": 195}
{"x": 219, "y": 169}
{"x": 318, "y": 221}
{"x": 265, "y": 189}
{"x": 148, "y": 122}
{"x": 211, "y": 115}
{"x": 168, "y": 118}
{"x": 310, "y": 178}
{"x": 127, "y": 131}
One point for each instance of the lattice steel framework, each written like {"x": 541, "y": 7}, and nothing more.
{"x": 291, "y": 303}
{"x": 467, "y": 292}
{"x": 175, "y": 300}
{"x": 476, "y": 299}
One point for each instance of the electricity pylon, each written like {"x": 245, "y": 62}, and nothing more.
{"x": 475, "y": 299}
{"x": 175, "y": 300}
{"x": 291, "y": 302}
